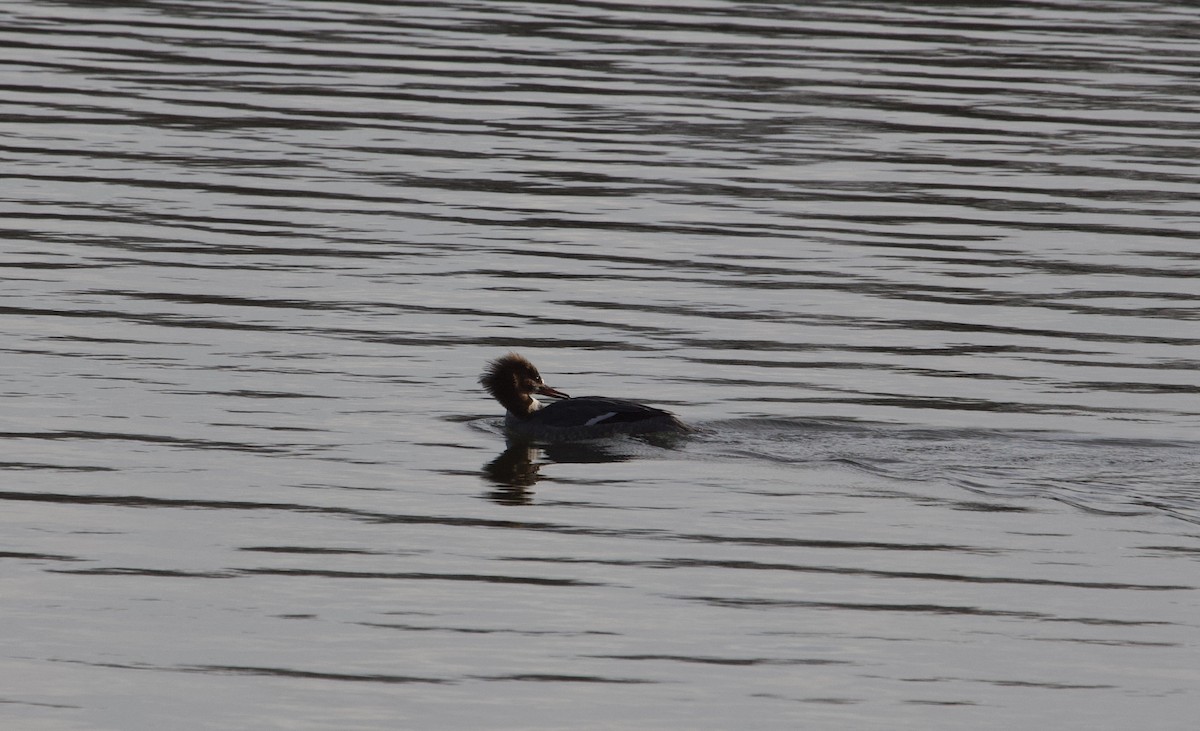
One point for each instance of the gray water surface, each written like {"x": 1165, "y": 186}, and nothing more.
{"x": 925, "y": 277}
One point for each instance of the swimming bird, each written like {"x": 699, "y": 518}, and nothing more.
{"x": 513, "y": 381}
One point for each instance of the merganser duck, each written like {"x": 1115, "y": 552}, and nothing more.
{"x": 512, "y": 380}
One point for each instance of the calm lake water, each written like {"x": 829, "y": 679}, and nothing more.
{"x": 926, "y": 277}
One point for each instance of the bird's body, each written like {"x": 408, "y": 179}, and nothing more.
{"x": 512, "y": 380}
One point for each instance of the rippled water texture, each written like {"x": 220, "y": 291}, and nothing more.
{"x": 924, "y": 277}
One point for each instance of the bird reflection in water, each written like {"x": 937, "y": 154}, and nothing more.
{"x": 518, "y": 468}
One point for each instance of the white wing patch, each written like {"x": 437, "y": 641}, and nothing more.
{"x": 597, "y": 419}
